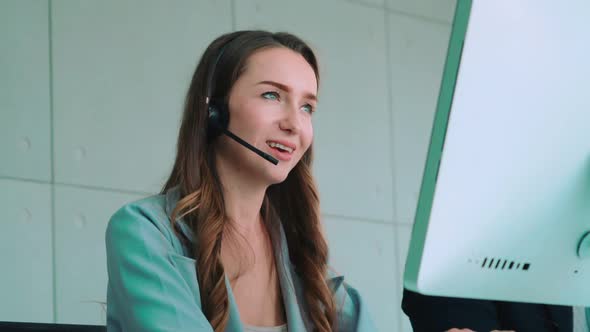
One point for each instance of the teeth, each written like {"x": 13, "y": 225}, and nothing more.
{"x": 280, "y": 146}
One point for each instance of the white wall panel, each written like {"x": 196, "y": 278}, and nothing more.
{"x": 24, "y": 90}
{"x": 442, "y": 10}
{"x": 121, "y": 72}
{"x": 26, "y": 280}
{"x": 81, "y": 218}
{"x": 418, "y": 51}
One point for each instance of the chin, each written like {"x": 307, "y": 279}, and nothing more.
{"x": 277, "y": 180}
{"x": 277, "y": 177}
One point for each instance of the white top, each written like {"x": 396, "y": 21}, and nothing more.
{"x": 280, "y": 328}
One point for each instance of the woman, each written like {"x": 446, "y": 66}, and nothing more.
{"x": 234, "y": 242}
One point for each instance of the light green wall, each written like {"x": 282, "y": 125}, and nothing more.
{"x": 90, "y": 99}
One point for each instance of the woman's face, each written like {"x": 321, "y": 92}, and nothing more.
{"x": 270, "y": 107}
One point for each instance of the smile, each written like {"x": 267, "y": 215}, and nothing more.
{"x": 280, "y": 146}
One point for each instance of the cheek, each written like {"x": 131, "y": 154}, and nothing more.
{"x": 246, "y": 117}
{"x": 307, "y": 136}
{"x": 310, "y": 132}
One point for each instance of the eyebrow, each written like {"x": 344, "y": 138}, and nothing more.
{"x": 286, "y": 88}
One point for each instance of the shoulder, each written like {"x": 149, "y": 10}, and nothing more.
{"x": 152, "y": 284}
{"x": 144, "y": 222}
{"x": 147, "y": 213}
{"x": 149, "y": 209}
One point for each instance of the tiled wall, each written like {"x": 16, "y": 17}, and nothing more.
{"x": 90, "y": 100}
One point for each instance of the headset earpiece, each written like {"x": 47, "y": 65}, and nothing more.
{"x": 218, "y": 119}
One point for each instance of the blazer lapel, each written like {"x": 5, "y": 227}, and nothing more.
{"x": 235, "y": 323}
{"x": 290, "y": 287}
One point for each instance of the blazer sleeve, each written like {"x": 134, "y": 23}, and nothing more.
{"x": 435, "y": 314}
{"x": 146, "y": 292}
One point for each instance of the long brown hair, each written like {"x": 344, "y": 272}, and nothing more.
{"x": 294, "y": 202}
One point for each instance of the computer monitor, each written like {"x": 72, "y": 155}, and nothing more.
{"x": 504, "y": 205}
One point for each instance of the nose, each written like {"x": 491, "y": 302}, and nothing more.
{"x": 291, "y": 121}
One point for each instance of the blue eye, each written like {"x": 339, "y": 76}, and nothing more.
{"x": 271, "y": 95}
{"x": 308, "y": 108}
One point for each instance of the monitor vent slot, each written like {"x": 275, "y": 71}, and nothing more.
{"x": 493, "y": 263}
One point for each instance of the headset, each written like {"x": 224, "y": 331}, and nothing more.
{"x": 218, "y": 113}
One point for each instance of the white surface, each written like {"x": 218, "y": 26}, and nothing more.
{"x": 26, "y": 281}
{"x": 120, "y": 78}
{"x": 440, "y": 10}
{"x": 515, "y": 173}
{"x": 24, "y": 90}
{"x": 81, "y": 218}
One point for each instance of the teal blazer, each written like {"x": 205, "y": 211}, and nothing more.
{"x": 153, "y": 284}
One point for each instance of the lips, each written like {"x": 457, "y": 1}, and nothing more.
{"x": 281, "y": 150}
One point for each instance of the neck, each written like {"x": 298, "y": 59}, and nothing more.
{"x": 243, "y": 197}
